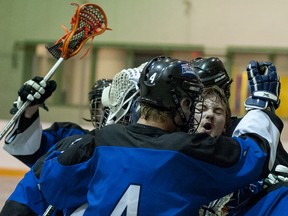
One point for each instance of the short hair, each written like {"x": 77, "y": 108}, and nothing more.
{"x": 215, "y": 91}
{"x": 154, "y": 113}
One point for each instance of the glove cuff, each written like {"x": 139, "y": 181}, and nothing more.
{"x": 252, "y": 103}
{"x": 265, "y": 95}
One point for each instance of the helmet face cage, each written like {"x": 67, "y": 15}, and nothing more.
{"x": 120, "y": 96}
{"x": 97, "y": 111}
{"x": 194, "y": 97}
{"x": 165, "y": 82}
{"x": 193, "y": 123}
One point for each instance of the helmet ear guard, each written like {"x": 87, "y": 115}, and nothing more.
{"x": 135, "y": 110}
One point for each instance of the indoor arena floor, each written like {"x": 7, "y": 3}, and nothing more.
{"x": 7, "y": 185}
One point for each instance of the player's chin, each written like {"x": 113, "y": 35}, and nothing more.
{"x": 203, "y": 130}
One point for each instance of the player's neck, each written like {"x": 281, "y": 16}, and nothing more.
{"x": 167, "y": 125}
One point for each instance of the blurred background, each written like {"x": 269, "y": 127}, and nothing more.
{"x": 235, "y": 31}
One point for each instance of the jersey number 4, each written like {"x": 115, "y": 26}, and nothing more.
{"x": 128, "y": 202}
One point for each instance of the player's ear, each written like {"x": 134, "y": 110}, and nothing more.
{"x": 185, "y": 105}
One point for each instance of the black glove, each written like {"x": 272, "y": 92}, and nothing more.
{"x": 36, "y": 90}
{"x": 265, "y": 85}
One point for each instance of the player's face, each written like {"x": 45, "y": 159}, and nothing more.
{"x": 97, "y": 111}
{"x": 213, "y": 119}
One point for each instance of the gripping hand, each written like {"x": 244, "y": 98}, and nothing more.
{"x": 265, "y": 86}
{"x": 36, "y": 90}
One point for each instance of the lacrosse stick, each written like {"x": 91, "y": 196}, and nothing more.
{"x": 119, "y": 96}
{"x": 88, "y": 21}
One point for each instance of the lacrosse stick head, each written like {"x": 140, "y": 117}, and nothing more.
{"x": 98, "y": 113}
{"x": 120, "y": 95}
{"x": 88, "y": 21}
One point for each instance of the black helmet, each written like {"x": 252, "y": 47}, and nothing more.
{"x": 97, "y": 111}
{"x": 97, "y": 88}
{"x": 165, "y": 81}
{"x": 212, "y": 72}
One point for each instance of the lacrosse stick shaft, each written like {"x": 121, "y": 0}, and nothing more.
{"x": 27, "y": 103}
{"x": 53, "y": 69}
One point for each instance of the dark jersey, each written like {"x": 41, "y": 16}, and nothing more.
{"x": 243, "y": 197}
{"x": 271, "y": 201}
{"x": 27, "y": 199}
{"x": 142, "y": 170}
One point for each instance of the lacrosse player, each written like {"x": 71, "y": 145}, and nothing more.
{"x": 27, "y": 135}
{"x": 269, "y": 196}
{"x": 27, "y": 141}
{"x": 212, "y": 72}
{"x": 155, "y": 167}
{"x": 215, "y": 114}
{"x": 27, "y": 199}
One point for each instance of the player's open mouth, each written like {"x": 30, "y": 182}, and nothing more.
{"x": 207, "y": 126}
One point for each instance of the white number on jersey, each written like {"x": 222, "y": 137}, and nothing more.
{"x": 128, "y": 201}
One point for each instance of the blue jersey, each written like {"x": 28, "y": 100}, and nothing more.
{"x": 27, "y": 191}
{"x": 243, "y": 196}
{"x": 142, "y": 170}
{"x": 271, "y": 201}
{"x": 54, "y": 134}
{"x": 26, "y": 199}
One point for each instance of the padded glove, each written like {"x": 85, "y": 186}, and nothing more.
{"x": 36, "y": 90}
{"x": 264, "y": 85}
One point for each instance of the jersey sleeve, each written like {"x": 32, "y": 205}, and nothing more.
{"x": 33, "y": 142}
{"x": 263, "y": 124}
{"x": 24, "y": 141}
{"x": 26, "y": 199}
{"x": 74, "y": 167}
